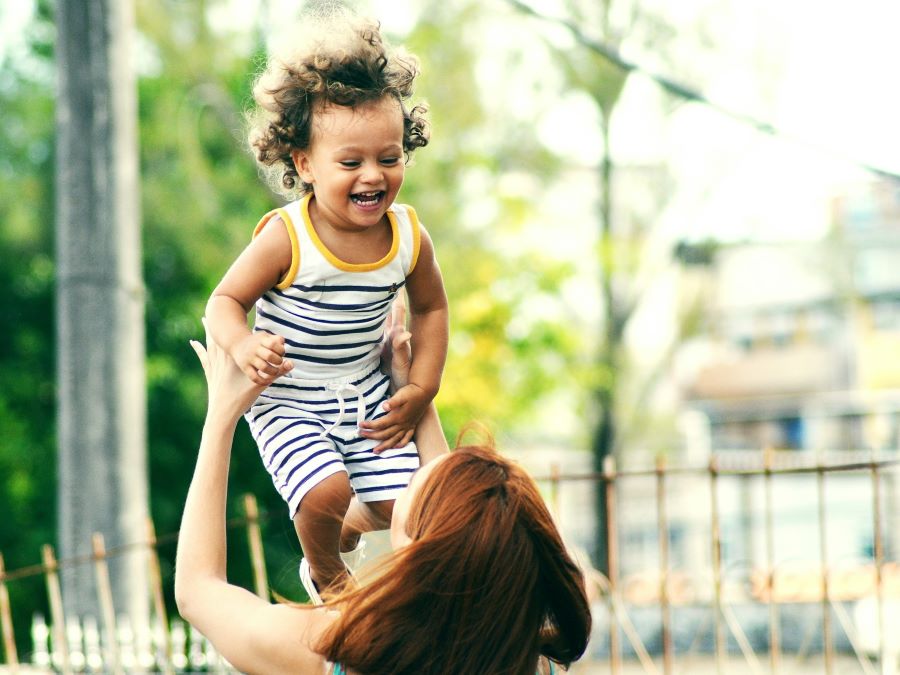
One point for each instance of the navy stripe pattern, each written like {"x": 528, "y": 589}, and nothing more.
{"x": 332, "y": 318}
{"x": 289, "y": 434}
{"x": 332, "y": 315}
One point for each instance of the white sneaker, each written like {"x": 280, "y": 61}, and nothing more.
{"x": 306, "y": 580}
{"x": 353, "y": 559}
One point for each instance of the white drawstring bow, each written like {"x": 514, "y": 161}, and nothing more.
{"x": 339, "y": 388}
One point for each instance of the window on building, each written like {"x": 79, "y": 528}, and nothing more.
{"x": 793, "y": 433}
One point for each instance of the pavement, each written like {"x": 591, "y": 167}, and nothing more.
{"x": 842, "y": 664}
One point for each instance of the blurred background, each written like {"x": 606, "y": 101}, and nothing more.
{"x": 667, "y": 230}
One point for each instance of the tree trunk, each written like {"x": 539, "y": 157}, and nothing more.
{"x": 604, "y": 434}
{"x": 610, "y": 341}
{"x": 102, "y": 463}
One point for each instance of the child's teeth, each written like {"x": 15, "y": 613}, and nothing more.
{"x": 366, "y": 196}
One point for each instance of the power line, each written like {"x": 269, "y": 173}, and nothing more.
{"x": 688, "y": 93}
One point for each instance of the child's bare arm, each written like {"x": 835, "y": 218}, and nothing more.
{"x": 429, "y": 327}
{"x": 259, "y": 267}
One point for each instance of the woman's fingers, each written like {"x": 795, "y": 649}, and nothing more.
{"x": 264, "y": 367}
{"x": 400, "y": 350}
{"x": 210, "y": 343}
{"x": 200, "y": 350}
{"x": 270, "y": 356}
{"x": 398, "y": 312}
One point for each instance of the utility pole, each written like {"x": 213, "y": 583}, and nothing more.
{"x": 101, "y": 416}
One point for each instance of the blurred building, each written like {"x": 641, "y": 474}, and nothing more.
{"x": 800, "y": 355}
{"x": 803, "y": 345}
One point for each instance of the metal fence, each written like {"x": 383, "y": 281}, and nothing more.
{"x": 623, "y": 599}
{"x": 858, "y": 607}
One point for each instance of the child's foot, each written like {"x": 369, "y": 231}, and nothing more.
{"x": 309, "y": 584}
{"x": 353, "y": 559}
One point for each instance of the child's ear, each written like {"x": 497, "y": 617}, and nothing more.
{"x": 301, "y": 163}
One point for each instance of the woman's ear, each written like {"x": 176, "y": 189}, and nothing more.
{"x": 302, "y": 164}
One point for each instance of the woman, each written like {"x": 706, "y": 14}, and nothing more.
{"x": 479, "y": 581}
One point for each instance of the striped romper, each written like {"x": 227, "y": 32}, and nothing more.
{"x": 331, "y": 315}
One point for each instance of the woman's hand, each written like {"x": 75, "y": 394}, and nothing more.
{"x": 396, "y": 353}
{"x": 230, "y": 391}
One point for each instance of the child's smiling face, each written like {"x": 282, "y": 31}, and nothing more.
{"x": 355, "y": 162}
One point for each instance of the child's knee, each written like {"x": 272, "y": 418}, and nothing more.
{"x": 383, "y": 509}
{"x": 328, "y": 499}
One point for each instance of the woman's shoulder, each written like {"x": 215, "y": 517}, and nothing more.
{"x": 285, "y": 639}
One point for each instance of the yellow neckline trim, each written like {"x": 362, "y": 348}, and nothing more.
{"x": 337, "y": 262}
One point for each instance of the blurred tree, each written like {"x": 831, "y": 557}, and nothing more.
{"x": 201, "y": 197}
{"x": 630, "y": 199}
{"x": 505, "y": 356}
{"x": 27, "y": 362}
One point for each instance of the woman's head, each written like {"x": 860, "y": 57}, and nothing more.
{"x": 482, "y": 584}
{"x": 333, "y": 60}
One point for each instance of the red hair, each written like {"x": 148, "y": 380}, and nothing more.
{"x": 485, "y": 586}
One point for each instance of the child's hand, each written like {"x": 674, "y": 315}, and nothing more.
{"x": 229, "y": 391}
{"x": 405, "y": 409}
{"x": 259, "y": 356}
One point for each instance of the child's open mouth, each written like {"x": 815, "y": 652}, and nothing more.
{"x": 367, "y": 198}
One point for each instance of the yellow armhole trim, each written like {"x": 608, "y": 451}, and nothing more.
{"x": 289, "y": 276}
{"x": 417, "y": 238}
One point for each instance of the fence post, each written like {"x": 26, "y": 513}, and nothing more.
{"x": 57, "y": 618}
{"x": 612, "y": 548}
{"x": 9, "y": 640}
{"x": 878, "y": 540}
{"x": 254, "y": 539}
{"x": 105, "y": 599}
{"x": 159, "y": 603}
{"x": 823, "y": 555}
{"x": 774, "y": 619}
{"x": 716, "y": 544}
{"x": 663, "y": 526}
{"x": 554, "y": 493}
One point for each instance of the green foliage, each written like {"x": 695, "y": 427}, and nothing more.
{"x": 504, "y": 359}
{"x": 27, "y": 364}
{"x": 200, "y": 198}
{"x": 596, "y": 75}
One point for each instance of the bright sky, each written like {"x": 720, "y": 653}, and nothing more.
{"x": 13, "y": 19}
{"x": 824, "y": 73}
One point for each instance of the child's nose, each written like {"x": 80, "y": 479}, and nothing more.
{"x": 372, "y": 173}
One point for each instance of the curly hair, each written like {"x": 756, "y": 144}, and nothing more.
{"x": 341, "y": 60}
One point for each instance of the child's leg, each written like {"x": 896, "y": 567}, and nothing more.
{"x": 318, "y": 523}
{"x": 364, "y": 517}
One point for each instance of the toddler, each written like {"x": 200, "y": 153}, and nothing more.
{"x": 334, "y": 129}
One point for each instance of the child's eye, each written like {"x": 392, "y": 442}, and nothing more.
{"x": 349, "y": 164}
{"x": 390, "y": 161}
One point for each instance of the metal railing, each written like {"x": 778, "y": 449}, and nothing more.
{"x": 768, "y": 584}
{"x": 110, "y": 645}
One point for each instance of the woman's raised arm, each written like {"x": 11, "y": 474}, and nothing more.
{"x": 252, "y": 634}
